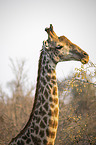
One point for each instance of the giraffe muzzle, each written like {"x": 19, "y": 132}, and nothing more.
{"x": 85, "y": 59}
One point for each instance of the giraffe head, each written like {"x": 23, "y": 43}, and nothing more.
{"x": 62, "y": 49}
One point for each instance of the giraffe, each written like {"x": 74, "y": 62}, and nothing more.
{"x": 41, "y": 127}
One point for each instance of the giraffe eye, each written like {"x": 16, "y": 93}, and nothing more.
{"x": 59, "y": 47}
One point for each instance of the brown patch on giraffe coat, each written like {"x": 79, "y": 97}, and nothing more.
{"x": 28, "y": 133}
{"x": 46, "y": 94}
{"x": 49, "y": 71}
{"x": 37, "y": 105}
{"x": 48, "y": 78}
{"x": 52, "y": 105}
{"x": 42, "y": 99}
{"x": 46, "y": 67}
{"x": 42, "y": 125}
{"x": 56, "y": 112}
{"x": 42, "y": 112}
{"x": 52, "y": 99}
{"x": 32, "y": 130}
{"x": 45, "y": 58}
{"x": 41, "y": 133}
{"x": 20, "y": 142}
{"x": 50, "y": 85}
{"x": 56, "y": 100}
{"x": 43, "y": 81}
{"x": 36, "y": 111}
{"x": 24, "y": 137}
{"x": 36, "y": 129}
{"x": 55, "y": 91}
{"x": 53, "y": 123}
{"x": 54, "y": 77}
{"x": 38, "y": 120}
{"x": 51, "y": 113}
{"x": 28, "y": 141}
{"x": 48, "y": 88}
{"x": 36, "y": 140}
{"x": 41, "y": 88}
{"x": 46, "y": 106}
{"x": 44, "y": 61}
{"x": 43, "y": 71}
{"x": 45, "y": 119}
{"x": 50, "y": 133}
{"x": 53, "y": 82}
{"x": 45, "y": 141}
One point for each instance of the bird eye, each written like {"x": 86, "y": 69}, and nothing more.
{"x": 59, "y": 47}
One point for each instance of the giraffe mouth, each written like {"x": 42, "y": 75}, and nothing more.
{"x": 85, "y": 60}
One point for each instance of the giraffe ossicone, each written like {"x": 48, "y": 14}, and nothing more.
{"x": 41, "y": 127}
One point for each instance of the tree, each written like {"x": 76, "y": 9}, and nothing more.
{"x": 15, "y": 109}
{"x": 77, "y": 117}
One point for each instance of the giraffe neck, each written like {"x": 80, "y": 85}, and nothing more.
{"x": 41, "y": 128}
{"x": 46, "y": 101}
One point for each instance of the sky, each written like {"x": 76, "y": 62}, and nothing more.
{"x": 22, "y": 31}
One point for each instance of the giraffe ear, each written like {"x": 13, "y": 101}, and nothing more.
{"x": 45, "y": 44}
